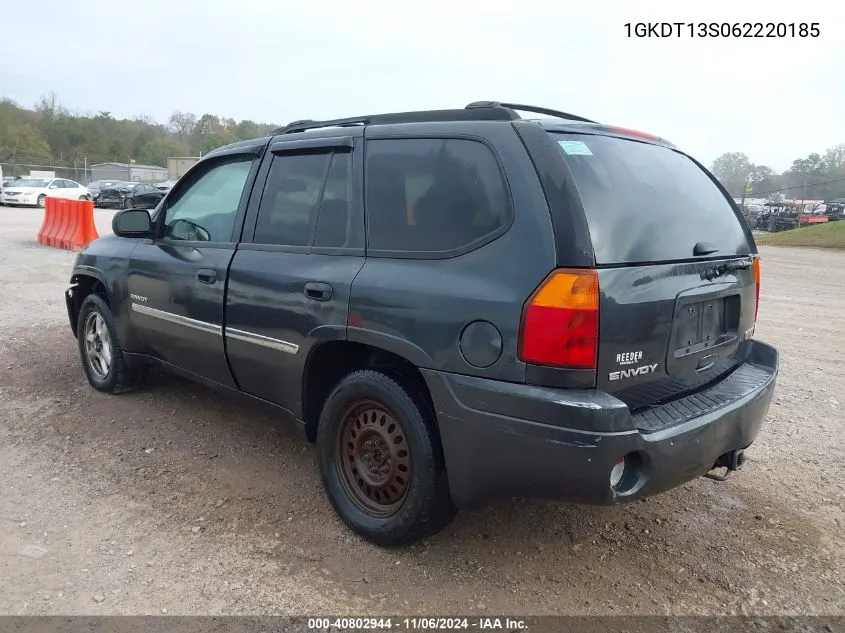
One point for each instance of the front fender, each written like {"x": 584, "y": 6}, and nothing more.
{"x": 104, "y": 263}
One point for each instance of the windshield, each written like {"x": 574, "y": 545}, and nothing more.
{"x": 36, "y": 183}
{"x": 648, "y": 203}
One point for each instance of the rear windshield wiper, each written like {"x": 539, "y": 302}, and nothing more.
{"x": 711, "y": 272}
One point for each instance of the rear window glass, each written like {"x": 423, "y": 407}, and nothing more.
{"x": 432, "y": 195}
{"x": 648, "y": 203}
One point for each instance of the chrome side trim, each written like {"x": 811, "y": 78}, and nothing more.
{"x": 178, "y": 319}
{"x": 264, "y": 341}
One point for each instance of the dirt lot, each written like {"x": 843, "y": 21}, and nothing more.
{"x": 176, "y": 499}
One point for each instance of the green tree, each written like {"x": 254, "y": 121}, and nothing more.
{"x": 733, "y": 170}
{"x": 181, "y": 124}
{"x": 23, "y": 144}
{"x": 762, "y": 179}
{"x": 209, "y": 133}
{"x": 157, "y": 151}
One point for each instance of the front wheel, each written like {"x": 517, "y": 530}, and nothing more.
{"x": 42, "y": 201}
{"x": 99, "y": 349}
{"x": 381, "y": 461}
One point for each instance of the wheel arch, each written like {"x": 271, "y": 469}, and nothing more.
{"x": 82, "y": 285}
{"x": 330, "y": 361}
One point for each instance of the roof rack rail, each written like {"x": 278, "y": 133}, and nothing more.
{"x": 491, "y": 113}
{"x": 528, "y": 108}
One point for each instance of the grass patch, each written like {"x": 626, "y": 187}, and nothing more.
{"x": 828, "y": 235}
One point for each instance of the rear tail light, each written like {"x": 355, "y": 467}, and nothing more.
{"x": 756, "y": 287}
{"x": 560, "y": 321}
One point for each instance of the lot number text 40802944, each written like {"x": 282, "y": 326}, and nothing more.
{"x": 722, "y": 29}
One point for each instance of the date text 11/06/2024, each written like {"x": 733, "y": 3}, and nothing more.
{"x": 416, "y": 624}
{"x": 722, "y": 29}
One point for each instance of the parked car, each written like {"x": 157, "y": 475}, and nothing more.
{"x": 98, "y": 185}
{"x": 456, "y": 305}
{"x": 778, "y": 216}
{"x": 126, "y": 195}
{"x": 34, "y": 191}
{"x": 165, "y": 186}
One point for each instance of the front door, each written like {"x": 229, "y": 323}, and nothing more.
{"x": 177, "y": 281}
{"x": 291, "y": 277}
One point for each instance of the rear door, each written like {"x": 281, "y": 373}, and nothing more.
{"x": 290, "y": 280}
{"x": 177, "y": 281}
{"x": 678, "y": 291}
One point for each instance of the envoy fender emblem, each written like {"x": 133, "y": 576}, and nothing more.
{"x": 635, "y": 371}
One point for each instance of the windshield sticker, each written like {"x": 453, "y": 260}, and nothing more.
{"x": 575, "y": 148}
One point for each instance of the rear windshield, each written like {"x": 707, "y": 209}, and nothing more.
{"x": 647, "y": 203}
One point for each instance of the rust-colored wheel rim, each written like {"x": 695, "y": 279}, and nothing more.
{"x": 373, "y": 459}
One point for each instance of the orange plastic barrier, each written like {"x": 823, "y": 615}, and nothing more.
{"x": 48, "y": 226}
{"x": 68, "y": 224}
{"x": 812, "y": 219}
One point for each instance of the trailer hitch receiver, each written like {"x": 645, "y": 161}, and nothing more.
{"x": 730, "y": 462}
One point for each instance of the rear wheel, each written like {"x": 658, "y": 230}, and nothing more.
{"x": 381, "y": 461}
{"x": 126, "y": 204}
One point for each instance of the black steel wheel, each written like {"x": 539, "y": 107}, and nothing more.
{"x": 373, "y": 459}
{"x": 381, "y": 461}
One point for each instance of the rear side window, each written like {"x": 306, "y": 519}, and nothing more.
{"x": 333, "y": 219}
{"x": 289, "y": 204}
{"x": 306, "y": 195}
{"x": 432, "y": 195}
{"x": 648, "y": 203}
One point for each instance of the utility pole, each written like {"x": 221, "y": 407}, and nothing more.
{"x": 745, "y": 190}
{"x": 805, "y": 188}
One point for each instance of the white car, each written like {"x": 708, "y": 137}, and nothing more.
{"x": 33, "y": 192}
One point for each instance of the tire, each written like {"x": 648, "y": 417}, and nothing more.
{"x": 41, "y": 201}
{"x": 362, "y": 408}
{"x": 126, "y": 204}
{"x": 83, "y": 197}
{"x": 115, "y": 376}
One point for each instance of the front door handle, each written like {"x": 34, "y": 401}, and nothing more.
{"x": 318, "y": 291}
{"x": 207, "y": 275}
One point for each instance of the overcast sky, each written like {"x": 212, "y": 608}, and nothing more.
{"x": 274, "y": 60}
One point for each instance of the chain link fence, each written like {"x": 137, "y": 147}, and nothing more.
{"x": 78, "y": 173}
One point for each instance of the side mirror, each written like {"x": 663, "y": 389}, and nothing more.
{"x": 182, "y": 229}
{"x": 132, "y": 223}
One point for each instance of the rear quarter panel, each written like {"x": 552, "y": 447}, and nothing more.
{"x": 418, "y": 308}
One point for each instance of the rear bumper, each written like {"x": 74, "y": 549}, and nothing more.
{"x": 506, "y": 440}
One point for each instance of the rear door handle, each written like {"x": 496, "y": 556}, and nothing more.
{"x": 207, "y": 275}
{"x": 318, "y": 291}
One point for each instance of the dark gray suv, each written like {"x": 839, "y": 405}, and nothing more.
{"x": 456, "y": 305}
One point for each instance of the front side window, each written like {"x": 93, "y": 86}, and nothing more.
{"x": 206, "y": 209}
{"x": 432, "y": 195}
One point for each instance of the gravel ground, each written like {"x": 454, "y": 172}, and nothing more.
{"x": 176, "y": 499}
